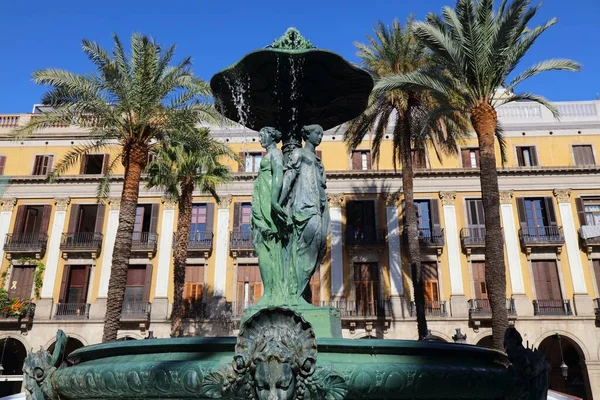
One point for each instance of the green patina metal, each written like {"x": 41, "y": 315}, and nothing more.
{"x": 286, "y": 348}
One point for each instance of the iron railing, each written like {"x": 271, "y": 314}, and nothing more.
{"x": 25, "y": 242}
{"x": 72, "y": 311}
{"x": 358, "y": 308}
{"x": 81, "y": 241}
{"x": 540, "y": 235}
{"x": 144, "y": 241}
{"x": 472, "y": 236}
{"x": 552, "y": 307}
{"x": 481, "y": 308}
{"x": 431, "y": 236}
{"x": 136, "y": 310}
{"x": 369, "y": 237}
{"x": 199, "y": 240}
{"x": 241, "y": 240}
{"x": 432, "y": 309}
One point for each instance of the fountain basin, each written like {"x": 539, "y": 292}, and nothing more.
{"x": 374, "y": 369}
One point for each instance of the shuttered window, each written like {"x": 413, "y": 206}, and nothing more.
{"x": 478, "y": 268}
{"x": 252, "y": 162}
{"x": 94, "y": 164}
{"x": 194, "y": 283}
{"x": 360, "y": 219}
{"x": 135, "y": 286}
{"x": 430, "y": 281}
{"x": 77, "y": 284}
{"x": 527, "y": 156}
{"x": 21, "y": 282}
{"x": 588, "y": 210}
{"x": 545, "y": 276}
{"x": 361, "y": 160}
{"x": 2, "y": 164}
{"x": 366, "y": 283}
{"x": 249, "y": 285}
{"x": 583, "y": 154}
{"x": 42, "y": 164}
{"x": 470, "y": 158}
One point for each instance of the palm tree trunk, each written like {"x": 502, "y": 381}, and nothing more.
{"x": 484, "y": 120}
{"x": 410, "y": 220}
{"x": 135, "y": 156}
{"x": 184, "y": 220}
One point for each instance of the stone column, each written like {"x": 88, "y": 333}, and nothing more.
{"x": 458, "y": 300}
{"x": 523, "y": 305}
{"x": 582, "y": 302}
{"x": 336, "y": 272}
{"x": 222, "y": 244}
{"x": 6, "y": 211}
{"x": 395, "y": 256}
{"x": 98, "y": 308}
{"x": 160, "y": 304}
{"x": 44, "y": 304}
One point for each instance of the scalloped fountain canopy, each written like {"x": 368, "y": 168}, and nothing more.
{"x": 289, "y": 84}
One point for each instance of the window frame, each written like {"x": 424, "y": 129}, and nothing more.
{"x": 471, "y": 149}
{"x": 574, "y": 160}
{"x": 535, "y": 153}
{"x": 252, "y": 155}
{"x": 50, "y": 166}
{"x": 84, "y": 161}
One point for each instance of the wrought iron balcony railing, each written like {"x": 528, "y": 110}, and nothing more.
{"x": 241, "y": 240}
{"x": 473, "y": 236}
{"x": 362, "y": 309}
{"x": 432, "y": 309}
{"x": 433, "y": 237}
{"x": 72, "y": 311}
{"x": 144, "y": 241}
{"x": 369, "y": 237}
{"x": 481, "y": 308}
{"x": 199, "y": 240}
{"x": 81, "y": 241}
{"x": 541, "y": 235}
{"x": 552, "y": 307}
{"x": 136, "y": 310}
{"x": 25, "y": 242}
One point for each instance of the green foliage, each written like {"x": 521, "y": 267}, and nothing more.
{"x": 14, "y": 307}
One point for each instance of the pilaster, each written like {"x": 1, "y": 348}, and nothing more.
{"x": 222, "y": 243}
{"x": 395, "y": 256}
{"x": 58, "y": 227}
{"x": 6, "y": 210}
{"x": 512, "y": 244}
{"x": 337, "y": 255}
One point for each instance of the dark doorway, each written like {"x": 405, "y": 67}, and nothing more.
{"x": 486, "y": 342}
{"x": 72, "y": 345}
{"x": 12, "y": 355}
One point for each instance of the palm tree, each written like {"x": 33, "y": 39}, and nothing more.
{"x": 394, "y": 50}
{"x": 132, "y": 100}
{"x": 183, "y": 163}
{"x": 481, "y": 49}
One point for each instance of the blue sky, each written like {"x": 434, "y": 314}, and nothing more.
{"x": 42, "y": 34}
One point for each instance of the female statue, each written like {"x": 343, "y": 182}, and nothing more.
{"x": 268, "y": 218}
{"x": 304, "y": 196}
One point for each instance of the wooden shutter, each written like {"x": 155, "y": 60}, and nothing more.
{"x": 148, "y": 283}
{"x": 240, "y": 295}
{"x": 369, "y": 166}
{"x": 237, "y": 215}
{"x": 580, "y": 211}
{"x": 554, "y": 283}
{"x": 73, "y": 218}
{"x": 319, "y": 154}
{"x": 45, "y": 219}
{"x": 256, "y": 291}
{"x": 465, "y": 155}
{"x": 521, "y": 212}
{"x": 520, "y": 159}
{"x": 64, "y": 284}
{"x": 356, "y": 161}
{"x": 100, "y": 218}
{"x": 550, "y": 214}
{"x": 2, "y": 164}
{"x": 479, "y": 280}
{"x": 105, "y": 163}
{"x": 477, "y": 158}
{"x": 154, "y": 218}
{"x": 242, "y": 163}
{"x": 84, "y": 161}
{"x": 20, "y": 219}
{"x": 86, "y": 284}
{"x": 534, "y": 157}
{"x": 210, "y": 217}
{"x": 435, "y": 213}
{"x": 596, "y": 264}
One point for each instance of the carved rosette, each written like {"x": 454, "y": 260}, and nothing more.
{"x": 62, "y": 203}
{"x": 392, "y": 199}
{"x": 115, "y": 203}
{"x": 506, "y": 197}
{"x": 225, "y": 202}
{"x": 335, "y": 200}
{"x": 562, "y": 195}
{"x": 169, "y": 203}
{"x": 448, "y": 198}
{"x": 8, "y": 203}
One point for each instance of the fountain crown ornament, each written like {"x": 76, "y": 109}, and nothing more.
{"x": 292, "y": 39}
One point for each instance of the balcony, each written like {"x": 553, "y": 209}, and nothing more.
{"x": 81, "y": 242}
{"x": 240, "y": 242}
{"x": 16, "y": 314}
{"x": 541, "y": 236}
{"x": 72, "y": 311}
{"x": 349, "y": 310}
{"x": 481, "y": 310}
{"x": 135, "y": 311}
{"x": 431, "y": 238}
{"x": 200, "y": 241}
{"x": 590, "y": 236}
{"x": 472, "y": 237}
{"x": 552, "y": 307}
{"x": 432, "y": 309}
{"x": 368, "y": 238}
{"x": 25, "y": 243}
{"x": 144, "y": 242}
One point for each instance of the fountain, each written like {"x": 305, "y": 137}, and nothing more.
{"x": 286, "y": 348}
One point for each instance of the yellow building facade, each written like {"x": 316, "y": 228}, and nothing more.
{"x": 58, "y": 242}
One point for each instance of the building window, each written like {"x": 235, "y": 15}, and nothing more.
{"x": 537, "y": 217}
{"x": 93, "y": 164}
{"x": 198, "y": 226}
{"x": 361, "y": 160}
{"x": 245, "y": 217}
{"x": 478, "y": 268}
{"x": 583, "y": 154}
{"x": 588, "y": 209}
{"x": 535, "y": 211}
{"x": 249, "y": 285}
{"x": 151, "y": 157}
{"x": 418, "y": 159}
{"x": 366, "y": 282}
{"x": 431, "y": 283}
{"x": 21, "y": 282}
{"x": 527, "y": 156}
{"x": 77, "y": 286}
{"x": 253, "y": 162}
{"x": 547, "y": 284}
{"x": 360, "y": 220}
{"x": 423, "y": 215}
{"x": 470, "y": 158}
{"x": 134, "y": 287}
{"x": 42, "y": 165}
{"x": 2, "y": 164}
{"x": 194, "y": 283}
{"x": 143, "y": 216}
